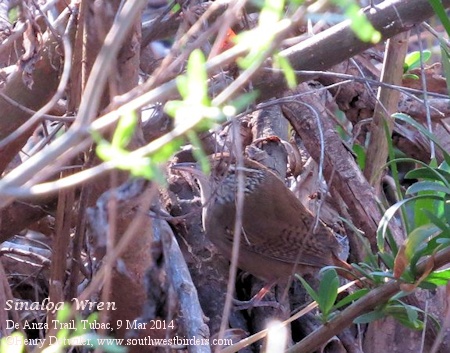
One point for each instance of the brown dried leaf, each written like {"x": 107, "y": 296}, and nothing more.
{"x": 401, "y": 262}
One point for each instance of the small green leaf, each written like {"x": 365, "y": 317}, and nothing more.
{"x": 271, "y": 13}
{"x": 351, "y": 298}
{"x": 163, "y": 154}
{"x": 63, "y": 334}
{"x": 13, "y": 14}
{"x": 289, "y": 73}
{"x": 360, "y": 155}
{"x": 434, "y": 187}
{"x": 416, "y": 239}
{"x": 63, "y": 314}
{"x": 441, "y": 13}
{"x": 369, "y": 317}
{"x": 405, "y": 314}
{"x": 438, "y": 222}
{"x": 361, "y": 25}
{"x": 171, "y": 107}
{"x": 176, "y": 7}
{"x": 243, "y": 101}
{"x": 434, "y": 174}
{"x": 412, "y": 60}
{"x": 309, "y": 289}
{"x": 445, "y": 59}
{"x": 125, "y": 130}
{"x": 106, "y": 152}
{"x": 382, "y": 275}
{"x": 328, "y": 290}
{"x": 387, "y": 258}
{"x": 197, "y": 79}
{"x": 183, "y": 86}
{"x": 411, "y": 77}
{"x": 389, "y": 214}
{"x": 439, "y": 278}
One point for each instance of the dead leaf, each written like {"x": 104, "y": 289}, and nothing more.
{"x": 400, "y": 262}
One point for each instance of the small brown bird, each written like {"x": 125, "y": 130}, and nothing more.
{"x": 277, "y": 230}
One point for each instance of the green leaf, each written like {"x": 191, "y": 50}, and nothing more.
{"x": 412, "y": 60}
{"x": 289, "y": 73}
{"x": 438, "y": 222}
{"x": 183, "y": 86}
{"x": 441, "y": 13}
{"x": 427, "y": 285}
{"x": 389, "y": 214}
{"x": 171, "y": 107}
{"x": 406, "y": 315}
{"x": 360, "y": 155}
{"x": 416, "y": 239}
{"x": 361, "y": 25}
{"x": 149, "y": 170}
{"x": 428, "y": 173}
{"x": 369, "y": 317}
{"x": 445, "y": 58}
{"x": 434, "y": 187}
{"x": 296, "y": 2}
{"x": 351, "y": 298}
{"x": 106, "y": 152}
{"x": 271, "y": 13}
{"x": 176, "y": 7}
{"x": 260, "y": 39}
{"x": 387, "y": 258}
{"x": 427, "y": 200}
{"x": 364, "y": 268}
{"x": 309, "y": 289}
{"x": 382, "y": 275}
{"x": 125, "y": 130}
{"x": 13, "y": 16}
{"x": 197, "y": 78}
{"x": 411, "y": 77}
{"x": 241, "y": 102}
{"x": 435, "y": 203}
{"x": 63, "y": 314}
{"x": 439, "y": 278}
{"x": 328, "y": 290}
{"x": 163, "y": 154}
{"x": 383, "y": 226}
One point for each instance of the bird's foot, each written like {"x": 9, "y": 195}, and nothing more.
{"x": 257, "y": 300}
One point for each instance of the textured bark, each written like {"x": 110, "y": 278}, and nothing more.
{"x": 45, "y": 78}
{"x": 18, "y": 216}
{"x": 340, "y": 168}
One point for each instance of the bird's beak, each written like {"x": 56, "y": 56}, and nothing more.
{"x": 195, "y": 170}
{"x": 188, "y": 167}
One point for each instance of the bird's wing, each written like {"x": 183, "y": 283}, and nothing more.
{"x": 285, "y": 233}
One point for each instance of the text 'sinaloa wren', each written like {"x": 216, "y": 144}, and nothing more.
{"x": 277, "y": 230}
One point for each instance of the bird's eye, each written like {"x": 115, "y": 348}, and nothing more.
{"x": 221, "y": 168}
